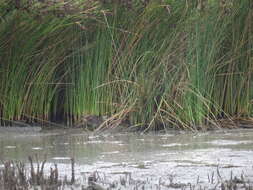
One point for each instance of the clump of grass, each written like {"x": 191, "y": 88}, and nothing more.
{"x": 152, "y": 64}
{"x": 34, "y": 74}
{"x": 16, "y": 175}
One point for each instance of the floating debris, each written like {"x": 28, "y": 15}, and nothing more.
{"x": 10, "y": 147}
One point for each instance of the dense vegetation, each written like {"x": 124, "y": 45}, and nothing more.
{"x": 152, "y": 64}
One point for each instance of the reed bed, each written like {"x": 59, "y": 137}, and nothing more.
{"x": 147, "y": 64}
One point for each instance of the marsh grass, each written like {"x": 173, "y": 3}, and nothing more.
{"x": 154, "y": 66}
{"x": 35, "y": 175}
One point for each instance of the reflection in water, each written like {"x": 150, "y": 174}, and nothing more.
{"x": 186, "y": 155}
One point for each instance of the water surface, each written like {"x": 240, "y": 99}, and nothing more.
{"x": 185, "y": 156}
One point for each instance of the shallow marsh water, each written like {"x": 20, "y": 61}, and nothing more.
{"x": 183, "y": 156}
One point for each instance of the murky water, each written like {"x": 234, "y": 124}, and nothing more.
{"x": 185, "y": 156}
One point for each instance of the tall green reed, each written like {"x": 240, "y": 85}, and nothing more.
{"x": 165, "y": 64}
{"x": 34, "y": 49}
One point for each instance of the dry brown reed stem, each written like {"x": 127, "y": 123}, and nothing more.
{"x": 53, "y": 179}
{"x": 14, "y": 176}
{"x": 72, "y": 170}
{"x": 22, "y": 174}
{"x": 38, "y": 177}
